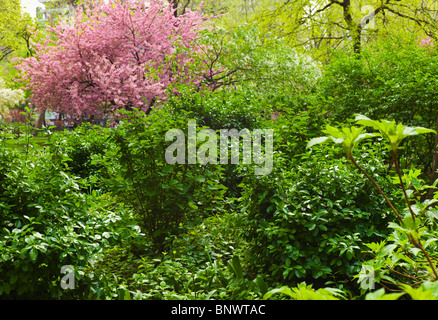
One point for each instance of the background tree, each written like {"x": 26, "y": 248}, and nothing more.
{"x": 112, "y": 55}
{"x": 14, "y": 28}
{"x": 54, "y": 10}
{"x": 319, "y": 26}
{"x": 241, "y": 56}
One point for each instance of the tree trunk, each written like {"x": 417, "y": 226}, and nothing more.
{"x": 435, "y": 155}
{"x": 357, "y": 40}
{"x": 39, "y": 122}
{"x": 355, "y": 29}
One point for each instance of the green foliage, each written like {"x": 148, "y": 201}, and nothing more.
{"x": 78, "y": 148}
{"x": 393, "y": 80}
{"x": 222, "y": 109}
{"x": 392, "y": 132}
{"x": 172, "y": 278}
{"x": 206, "y": 262}
{"x": 46, "y": 223}
{"x": 163, "y": 196}
{"x": 105, "y": 200}
{"x": 305, "y": 292}
{"x": 311, "y": 222}
{"x": 241, "y": 57}
{"x": 426, "y": 291}
{"x": 409, "y": 257}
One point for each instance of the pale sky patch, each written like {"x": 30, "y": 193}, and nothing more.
{"x": 30, "y": 6}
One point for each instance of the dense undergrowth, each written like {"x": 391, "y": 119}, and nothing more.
{"x": 105, "y": 201}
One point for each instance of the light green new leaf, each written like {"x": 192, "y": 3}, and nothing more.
{"x": 418, "y": 293}
{"x": 285, "y": 290}
{"x": 348, "y": 137}
{"x": 392, "y": 132}
{"x": 380, "y": 295}
{"x": 316, "y": 141}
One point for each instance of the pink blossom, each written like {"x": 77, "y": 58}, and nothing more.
{"x": 113, "y": 55}
{"x": 427, "y": 42}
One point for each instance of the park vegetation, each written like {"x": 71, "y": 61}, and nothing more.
{"x": 348, "y": 211}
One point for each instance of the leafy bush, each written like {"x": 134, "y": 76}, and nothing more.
{"x": 202, "y": 263}
{"x": 305, "y": 292}
{"x": 395, "y": 80}
{"x": 162, "y": 195}
{"x": 78, "y": 148}
{"x": 47, "y": 223}
{"x": 309, "y": 219}
{"x": 410, "y": 257}
{"x": 222, "y": 109}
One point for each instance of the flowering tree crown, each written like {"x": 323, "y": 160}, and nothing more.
{"x": 113, "y": 55}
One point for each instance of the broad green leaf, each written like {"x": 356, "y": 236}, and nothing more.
{"x": 334, "y": 132}
{"x": 33, "y": 253}
{"x": 348, "y": 137}
{"x": 410, "y": 224}
{"x": 388, "y": 249}
{"x": 418, "y": 293}
{"x": 261, "y": 284}
{"x": 237, "y": 268}
{"x": 381, "y": 295}
{"x": 431, "y": 286}
{"x": 124, "y": 294}
{"x": 284, "y": 290}
{"x": 316, "y": 141}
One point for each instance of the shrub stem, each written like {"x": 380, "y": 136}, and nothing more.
{"x": 397, "y": 169}
{"x": 413, "y": 241}
{"x": 350, "y": 157}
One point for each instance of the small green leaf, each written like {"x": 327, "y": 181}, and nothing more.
{"x": 33, "y": 254}
{"x": 261, "y": 284}
{"x": 192, "y": 205}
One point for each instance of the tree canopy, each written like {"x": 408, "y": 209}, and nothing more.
{"x": 15, "y": 27}
{"x": 318, "y": 26}
{"x": 113, "y": 55}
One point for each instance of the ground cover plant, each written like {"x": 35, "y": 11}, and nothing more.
{"x": 96, "y": 210}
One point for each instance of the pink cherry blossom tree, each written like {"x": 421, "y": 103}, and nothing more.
{"x": 113, "y": 55}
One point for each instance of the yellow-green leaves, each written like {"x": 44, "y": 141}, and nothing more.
{"x": 381, "y": 295}
{"x": 348, "y": 137}
{"x": 306, "y": 292}
{"x": 394, "y": 133}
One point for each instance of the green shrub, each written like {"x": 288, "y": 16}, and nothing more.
{"x": 163, "y": 196}
{"x": 47, "y": 222}
{"x": 202, "y": 263}
{"x": 309, "y": 218}
{"x": 410, "y": 257}
{"x": 394, "y": 80}
{"x": 79, "y": 147}
{"x": 222, "y": 109}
